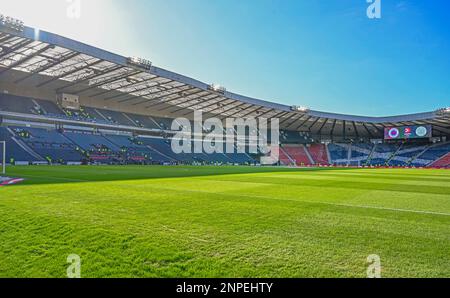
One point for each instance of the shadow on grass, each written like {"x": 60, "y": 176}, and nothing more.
{"x": 35, "y": 175}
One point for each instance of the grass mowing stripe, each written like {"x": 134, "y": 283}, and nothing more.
{"x": 306, "y": 201}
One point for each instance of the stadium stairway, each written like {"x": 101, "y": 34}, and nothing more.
{"x": 390, "y": 161}
{"x": 415, "y": 159}
{"x": 161, "y": 153}
{"x": 15, "y": 150}
{"x": 319, "y": 154}
{"x": 285, "y": 159}
{"x": 339, "y": 153}
{"x": 298, "y": 154}
{"x": 24, "y": 146}
{"x": 443, "y": 162}
{"x": 359, "y": 154}
{"x": 432, "y": 154}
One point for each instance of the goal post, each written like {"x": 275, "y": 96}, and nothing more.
{"x": 3, "y": 157}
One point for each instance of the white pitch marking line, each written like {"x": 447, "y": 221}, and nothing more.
{"x": 56, "y": 178}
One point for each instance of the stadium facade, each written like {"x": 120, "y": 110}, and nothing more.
{"x": 62, "y": 101}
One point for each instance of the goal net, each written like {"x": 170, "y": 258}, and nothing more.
{"x": 2, "y": 157}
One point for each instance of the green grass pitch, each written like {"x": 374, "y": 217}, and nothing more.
{"x": 225, "y": 222}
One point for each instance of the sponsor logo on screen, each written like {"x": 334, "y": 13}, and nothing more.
{"x": 394, "y": 133}
{"x": 408, "y": 132}
{"x": 421, "y": 131}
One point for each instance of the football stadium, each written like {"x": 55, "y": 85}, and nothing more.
{"x": 89, "y": 170}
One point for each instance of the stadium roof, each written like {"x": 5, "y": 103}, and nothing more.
{"x": 46, "y": 60}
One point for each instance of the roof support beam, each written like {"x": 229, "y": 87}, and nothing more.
{"x": 15, "y": 47}
{"x": 247, "y": 114}
{"x": 368, "y": 130}
{"x": 166, "y": 89}
{"x": 158, "y": 101}
{"x": 179, "y": 97}
{"x": 344, "y": 131}
{"x": 355, "y": 129}
{"x": 377, "y": 128}
{"x": 314, "y": 123}
{"x": 131, "y": 96}
{"x": 188, "y": 99}
{"x": 265, "y": 113}
{"x": 201, "y": 108}
{"x": 27, "y": 58}
{"x": 322, "y": 126}
{"x": 279, "y": 115}
{"x": 196, "y": 103}
{"x": 48, "y": 66}
{"x": 276, "y": 116}
{"x": 123, "y": 86}
{"x": 75, "y": 70}
{"x": 108, "y": 81}
{"x": 442, "y": 129}
{"x": 87, "y": 79}
{"x": 304, "y": 122}
{"x": 295, "y": 120}
{"x": 169, "y": 102}
{"x": 334, "y": 126}
{"x": 289, "y": 118}
{"x": 230, "y": 109}
{"x": 5, "y": 38}
{"x": 177, "y": 90}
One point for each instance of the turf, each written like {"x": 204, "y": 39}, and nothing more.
{"x": 225, "y": 222}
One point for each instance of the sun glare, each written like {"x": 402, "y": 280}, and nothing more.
{"x": 81, "y": 20}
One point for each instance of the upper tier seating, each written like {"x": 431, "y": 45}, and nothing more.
{"x": 163, "y": 123}
{"x": 116, "y": 117}
{"x": 293, "y": 137}
{"x": 144, "y": 121}
{"x": 17, "y": 104}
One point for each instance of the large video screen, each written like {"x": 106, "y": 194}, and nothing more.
{"x": 408, "y": 132}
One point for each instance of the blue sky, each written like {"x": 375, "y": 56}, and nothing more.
{"x": 324, "y": 54}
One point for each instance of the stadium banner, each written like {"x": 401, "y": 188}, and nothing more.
{"x": 408, "y": 132}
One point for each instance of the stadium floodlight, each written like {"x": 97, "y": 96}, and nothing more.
{"x": 217, "y": 88}
{"x": 132, "y": 80}
{"x": 3, "y": 155}
{"x": 140, "y": 62}
{"x": 12, "y": 23}
{"x": 443, "y": 111}
{"x": 300, "y": 109}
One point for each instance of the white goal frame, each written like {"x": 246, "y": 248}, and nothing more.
{"x": 3, "y": 154}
